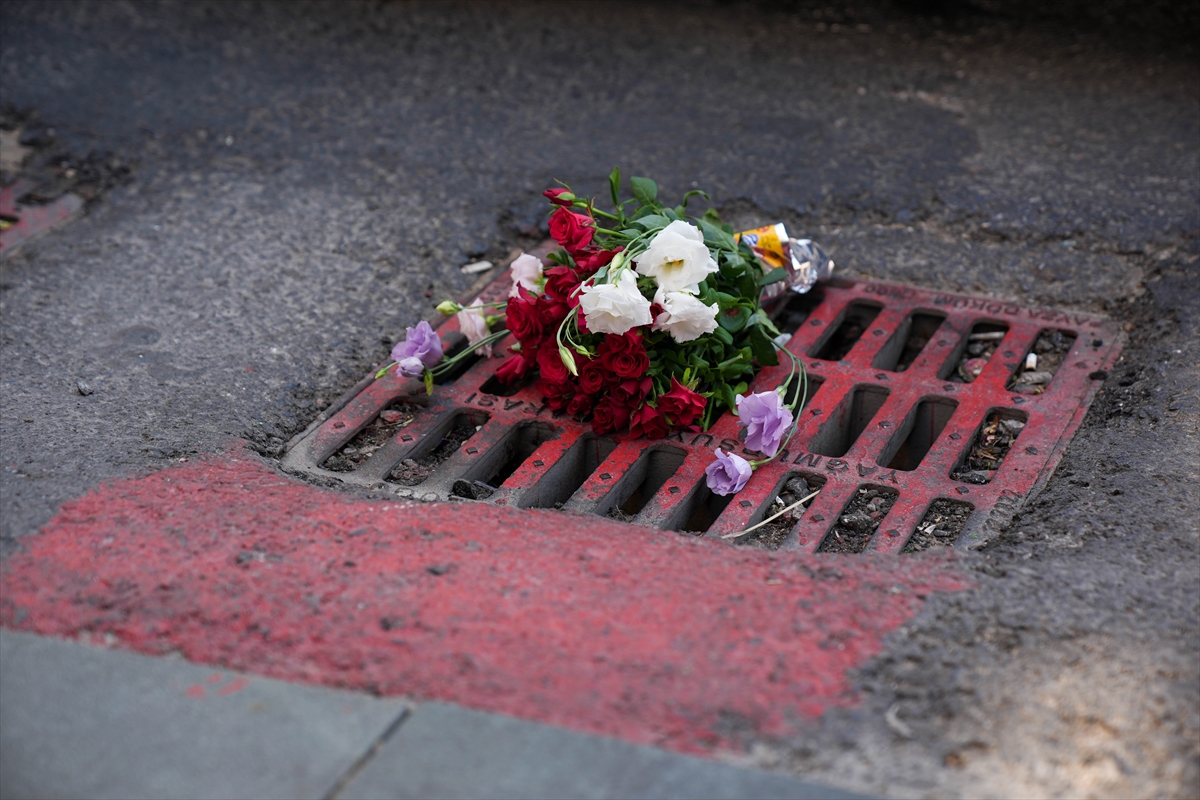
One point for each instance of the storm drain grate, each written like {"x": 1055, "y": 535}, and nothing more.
{"x": 20, "y": 222}
{"x": 927, "y": 424}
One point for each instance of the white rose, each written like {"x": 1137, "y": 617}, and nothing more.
{"x": 526, "y": 270}
{"x": 614, "y": 307}
{"x": 676, "y": 257}
{"x": 684, "y": 316}
{"x": 473, "y": 325}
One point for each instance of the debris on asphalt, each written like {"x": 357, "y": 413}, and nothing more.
{"x": 475, "y": 267}
{"x": 84, "y": 388}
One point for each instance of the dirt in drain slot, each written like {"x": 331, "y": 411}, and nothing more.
{"x": 618, "y": 514}
{"x": 772, "y": 535}
{"x": 940, "y": 527}
{"x": 411, "y": 472}
{"x": 988, "y": 450}
{"x": 858, "y": 522}
{"x": 1048, "y": 353}
{"x": 367, "y": 441}
{"x": 981, "y": 346}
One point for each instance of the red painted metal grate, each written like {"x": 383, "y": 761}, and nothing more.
{"x": 887, "y": 433}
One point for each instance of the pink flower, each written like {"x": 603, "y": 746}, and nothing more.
{"x": 728, "y": 474}
{"x": 526, "y": 272}
{"x": 474, "y": 326}
{"x": 766, "y": 419}
{"x": 421, "y": 342}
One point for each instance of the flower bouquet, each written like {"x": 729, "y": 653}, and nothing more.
{"x": 647, "y": 318}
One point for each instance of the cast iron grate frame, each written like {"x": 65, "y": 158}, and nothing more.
{"x": 1052, "y": 417}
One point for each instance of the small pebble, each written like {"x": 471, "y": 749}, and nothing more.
{"x": 84, "y": 388}
{"x": 1012, "y": 426}
{"x": 390, "y": 416}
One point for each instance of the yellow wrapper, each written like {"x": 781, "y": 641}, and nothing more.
{"x": 769, "y": 242}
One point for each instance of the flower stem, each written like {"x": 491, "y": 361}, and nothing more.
{"x": 771, "y": 518}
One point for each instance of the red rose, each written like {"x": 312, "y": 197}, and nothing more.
{"x": 551, "y": 313}
{"x": 513, "y": 369}
{"x": 523, "y": 320}
{"x": 681, "y": 404}
{"x": 560, "y": 282}
{"x": 646, "y": 421}
{"x": 593, "y": 259}
{"x": 593, "y": 378}
{"x": 624, "y": 355}
{"x": 630, "y": 392}
{"x": 556, "y": 394}
{"x": 551, "y": 365}
{"x": 572, "y": 231}
{"x": 556, "y": 197}
{"x": 580, "y": 405}
{"x": 609, "y": 416}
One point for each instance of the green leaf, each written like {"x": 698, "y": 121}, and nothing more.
{"x": 748, "y": 288}
{"x": 714, "y": 234}
{"x": 652, "y": 221}
{"x": 734, "y": 319}
{"x": 774, "y": 276}
{"x": 764, "y": 319}
{"x": 644, "y": 189}
{"x": 764, "y": 349}
{"x": 726, "y": 301}
{"x": 725, "y": 393}
{"x": 614, "y": 185}
{"x": 712, "y": 216}
{"x": 693, "y": 193}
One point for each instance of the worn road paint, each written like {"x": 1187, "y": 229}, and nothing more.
{"x": 576, "y": 621}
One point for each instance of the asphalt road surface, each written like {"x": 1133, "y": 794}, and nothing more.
{"x": 277, "y": 190}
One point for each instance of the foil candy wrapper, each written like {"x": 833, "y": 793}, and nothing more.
{"x": 803, "y": 259}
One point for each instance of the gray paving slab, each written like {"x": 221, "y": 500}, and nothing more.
{"x": 444, "y": 750}
{"x": 80, "y": 721}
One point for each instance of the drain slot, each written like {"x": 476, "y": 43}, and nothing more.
{"x": 793, "y": 390}
{"x": 498, "y": 388}
{"x": 499, "y": 464}
{"x": 641, "y": 482}
{"x": 790, "y": 315}
{"x": 849, "y": 328}
{"x": 917, "y": 434}
{"x": 435, "y": 449}
{"x": 371, "y": 438}
{"x": 700, "y": 510}
{"x": 941, "y": 525}
{"x": 973, "y": 352}
{"x": 1039, "y": 366}
{"x": 990, "y": 445}
{"x": 902, "y": 349}
{"x": 457, "y": 345}
{"x": 569, "y": 473}
{"x": 794, "y": 486}
{"x": 851, "y": 418}
{"x": 859, "y": 520}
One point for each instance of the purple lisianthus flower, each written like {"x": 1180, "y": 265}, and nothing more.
{"x": 411, "y": 367}
{"x": 728, "y": 474}
{"x": 421, "y": 342}
{"x": 767, "y": 420}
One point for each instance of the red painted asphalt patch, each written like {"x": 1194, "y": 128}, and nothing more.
{"x": 581, "y": 622}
